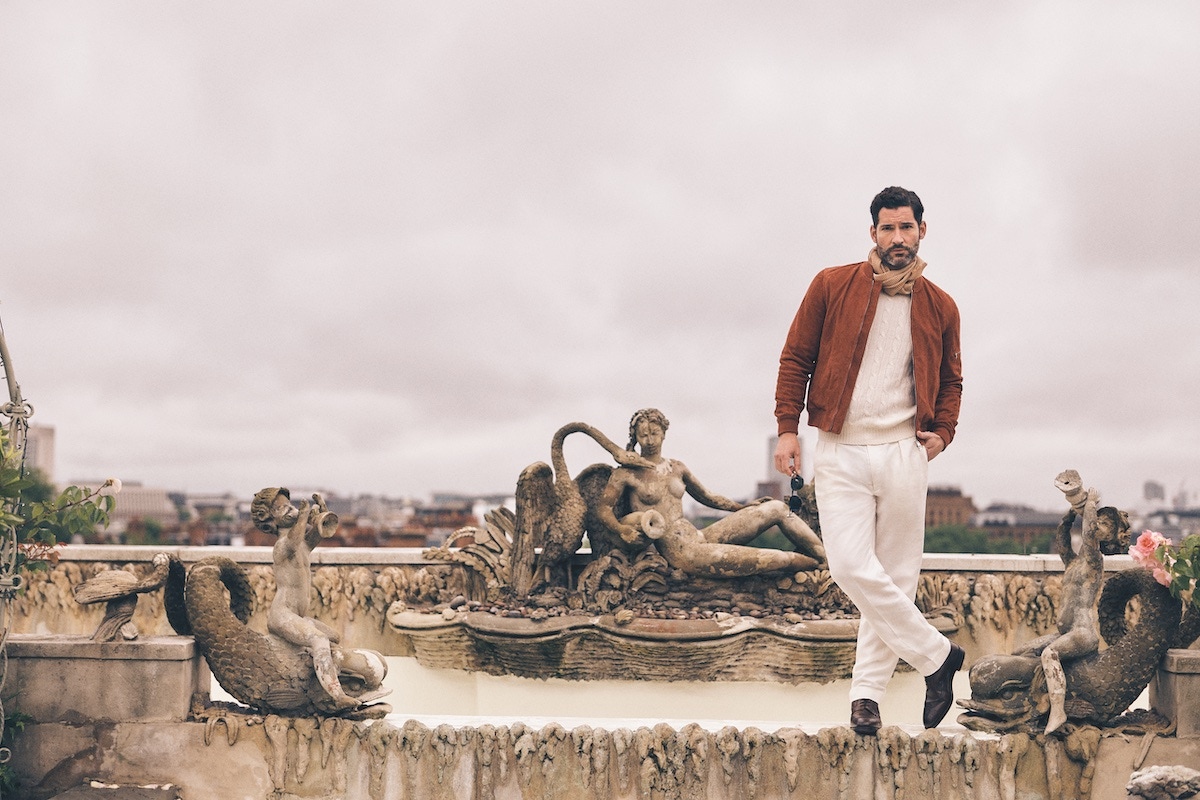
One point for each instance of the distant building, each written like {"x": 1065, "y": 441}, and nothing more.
{"x": 1182, "y": 499}
{"x": 1016, "y": 522}
{"x": 375, "y": 521}
{"x": 39, "y": 451}
{"x": 133, "y": 507}
{"x": 402, "y": 538}
{"x": 1175, "y": 525}
{"x": 145, "y": 503}
{"x": 776, "y": 485}
{"x": 489, "y": 502}
{"x": 439, "y": 521}
{"x": 217, "y": 519}
{"x": 449, "y": 511}
{"x": 947, "y": 505}
{"x": 357, "y": 533}
{"x": 213, "y": 506}
{"x": 772, "y": 489}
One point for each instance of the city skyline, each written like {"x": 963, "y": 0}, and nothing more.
{"x": 395, "y": 250}
{"x": 41, "y": 445}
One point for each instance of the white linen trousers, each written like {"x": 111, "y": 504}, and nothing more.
{"x": 871, "y": 500}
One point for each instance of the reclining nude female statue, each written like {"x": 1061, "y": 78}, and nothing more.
{"x": 654, "y": 494}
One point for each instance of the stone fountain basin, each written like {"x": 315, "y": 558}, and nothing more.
{"x": 729, "y": 648}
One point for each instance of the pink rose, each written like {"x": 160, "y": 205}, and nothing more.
{"x": 1143, "y": 552}
{"x": 1143, "y": 549}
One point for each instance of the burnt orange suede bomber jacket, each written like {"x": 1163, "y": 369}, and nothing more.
{"x": 825, "y": 345}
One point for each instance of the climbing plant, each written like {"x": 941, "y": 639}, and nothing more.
{"x": 34, "y": 521}
{"x": 41, "y": 525}
{"x": 1176, "y": 566}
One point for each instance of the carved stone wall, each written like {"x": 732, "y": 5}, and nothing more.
{"x": 992, "y": 608}
{"x": 276, "y": 757}
{"x": 224, "y": 753}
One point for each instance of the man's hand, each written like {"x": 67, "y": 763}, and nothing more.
{"x": 932, "y": 443}
{"x": 787, "y": 454}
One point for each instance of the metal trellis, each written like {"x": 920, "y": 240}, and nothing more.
{"x": 17, "y": 411}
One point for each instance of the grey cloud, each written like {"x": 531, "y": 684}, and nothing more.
{"x": 393, "y": 250}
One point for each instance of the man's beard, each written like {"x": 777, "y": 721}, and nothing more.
{"x": 909, "y": 255}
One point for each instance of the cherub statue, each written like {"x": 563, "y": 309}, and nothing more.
{"x": 1105, "y": 532}
{"x": 1066, "y": 675}
{"x": 299, "y": 530}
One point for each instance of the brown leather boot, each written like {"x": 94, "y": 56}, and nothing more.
{"x": 864, "y": 717}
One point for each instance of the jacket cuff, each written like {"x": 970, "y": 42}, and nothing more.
{"x": 946, "y": 435}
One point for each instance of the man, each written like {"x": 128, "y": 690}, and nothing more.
{"x": 873, "y": 354}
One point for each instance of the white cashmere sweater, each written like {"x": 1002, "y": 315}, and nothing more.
{"x": 883, "y": 407}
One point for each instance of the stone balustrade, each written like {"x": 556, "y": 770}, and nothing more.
{"x": 994, "y": 601}
{"x": 999, "y": 601}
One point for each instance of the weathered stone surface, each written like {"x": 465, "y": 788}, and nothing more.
{"x": 1172, "y": 782}
{"x": 996, "y": 601}
{"x": 76, "y": 680}
{"x": 397, "y": 758}
{"x": 602, "y": 647}
{"x": 1175, "y": 691}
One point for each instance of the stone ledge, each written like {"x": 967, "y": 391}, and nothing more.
{"x": 387, "y": 556}
{"x": 74, "y": 680}
{"x": 49, "y": 645}
{"x": 411, "y": 759}
{"x": 1185, "y": 662}
{"x": 1175, "y": 691}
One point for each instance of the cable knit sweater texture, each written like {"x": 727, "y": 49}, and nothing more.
{"x": 883, "y": 406}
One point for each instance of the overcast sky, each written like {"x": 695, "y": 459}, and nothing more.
{"x": 391, "y": 247}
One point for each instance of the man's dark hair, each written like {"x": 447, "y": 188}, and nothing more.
{"x": 896, "y": 197}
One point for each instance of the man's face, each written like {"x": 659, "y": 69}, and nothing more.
{"x": 897, "y": 236}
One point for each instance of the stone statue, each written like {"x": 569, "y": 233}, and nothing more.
{"x": 1065, "y": 675}
{"x": 1105, "y": 532}
{"x": 1164, "y": 782}
{"x": 298, "y": 668}
{"x": 120, "y": 589}
{"x": 552, "y": 510}
{"x": 298, "y": 530}
{"x": 649, "y": 500}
